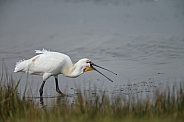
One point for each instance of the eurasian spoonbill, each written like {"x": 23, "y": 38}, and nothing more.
{"x": 48, "y": 64}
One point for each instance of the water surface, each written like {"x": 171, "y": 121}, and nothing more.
{"x": 140, "y": 40}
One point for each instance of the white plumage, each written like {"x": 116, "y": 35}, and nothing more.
{"x": 48, "y": 63}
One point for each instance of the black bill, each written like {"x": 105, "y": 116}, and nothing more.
{"x": 92, "y": 66}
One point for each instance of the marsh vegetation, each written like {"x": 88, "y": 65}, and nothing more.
{"x": 165, "y": 106}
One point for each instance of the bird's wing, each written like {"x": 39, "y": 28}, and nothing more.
{"x": 46, "y": 63}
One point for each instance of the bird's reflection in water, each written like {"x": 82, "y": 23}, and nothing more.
{"x": 58, "y": 100}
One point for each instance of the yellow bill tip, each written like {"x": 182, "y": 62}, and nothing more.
{"x": 88, "y": 69}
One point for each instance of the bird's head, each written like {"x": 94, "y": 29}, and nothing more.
{"x": 88, "y": 65}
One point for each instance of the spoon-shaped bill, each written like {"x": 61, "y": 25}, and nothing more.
{"x": 92, "y": 64}
{"x": 103, "y": 74}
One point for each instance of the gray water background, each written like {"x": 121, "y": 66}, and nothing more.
{"x": 141, "y": 40}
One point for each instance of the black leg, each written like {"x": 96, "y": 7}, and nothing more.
{"x": 57, "y": 87}
{"x": 41, "y": 102}
{"x": 41, "y": 88}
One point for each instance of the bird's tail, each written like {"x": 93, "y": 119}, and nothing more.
{"x": 22, "y": 66}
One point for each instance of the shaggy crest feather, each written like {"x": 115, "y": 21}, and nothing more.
{"x": 42, "y": 51}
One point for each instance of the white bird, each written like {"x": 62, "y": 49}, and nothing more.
{"x": 48, "y": 64}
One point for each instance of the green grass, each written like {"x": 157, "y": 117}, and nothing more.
{"x": 166, "y": 107}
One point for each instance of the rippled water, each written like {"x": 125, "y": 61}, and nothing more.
{"x": 138, "y": 39}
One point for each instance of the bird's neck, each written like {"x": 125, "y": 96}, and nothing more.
{"x": 73, "y": 71}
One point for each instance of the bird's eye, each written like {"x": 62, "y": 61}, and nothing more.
{"x": 88, "y": 61}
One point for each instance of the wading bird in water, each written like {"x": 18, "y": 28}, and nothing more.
{"x": 48, "y": 64}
